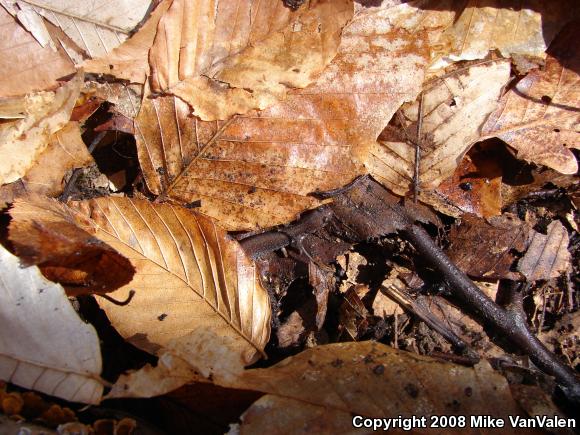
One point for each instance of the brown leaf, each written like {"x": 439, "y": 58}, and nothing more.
{"x": 24, "y": 140}
{"x": 129, "y": 61}
{"x": 539, "y": 116}
{"x": 321, "y": 388}
{"x": 214, "y": 56}
{"x": 548, "y": 255}
{"x": 475, "y": 187}
{"x": 189, "y": 274}
{"x": 44, "y": 233}
{"x": 25, "y": 65}
{"x": 525, "y": 30}
{"x": 258, "y": 169}
{"x": 322, "y": 282}
{"x": 454, "y": 109}
{"x": 485, "y": 248}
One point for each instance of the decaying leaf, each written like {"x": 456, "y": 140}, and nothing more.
{"x": 539, "y": 117}
{"x": 213, "y": 55}
{"x": 257, "y": 170}
{"x": 321, "y": 389}
{"x": 96, "y": 27}
{"x": 24, "y": 140}
{"x": 548, "y": 255}
{"x": 25, "y": 65}
{"x": 524, "y": 30}
{"x": 130, "y": 61}
{"x": 454, "y": 109}
{"x": 189, "y": 274}
{"x": 44, "y": 345}
{"x": 44, "y": 233}
{"x": 486, "y": 248}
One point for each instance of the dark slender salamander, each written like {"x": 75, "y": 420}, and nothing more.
{"x": 272, "y": 240}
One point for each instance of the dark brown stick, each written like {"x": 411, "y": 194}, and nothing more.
{"x": 510, "y": 321}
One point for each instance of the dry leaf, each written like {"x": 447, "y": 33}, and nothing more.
{"x": 486, "y": 248}
{"x": 216, "y": 59}
{"x": 44, "y": 345}
{"x": 257, "y": 170}
{"x": 539, "y": 117}
{"x": 454, "y": 109}
{"x": 44, "y": 233}
{"x": 129, "y": 61}
{"x": 22, "y": 142}
{"x": 66, "y": 150}
{"x": 194, "y": 357}
{"x": 475, "y": 187}
{"x": 26, "y": 66}
{"x": 523, "y": 30}
{"x": 189, "y": 274}
{"x": 96, "y": 27}
{"x": 214, "y": 56}
{"x": 320, "y": 389}
{"x": 548, "y": 255}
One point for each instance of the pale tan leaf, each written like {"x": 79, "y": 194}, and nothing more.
{"x": 96, "y": 27}
{"x": 540, "y": 116}
{"x": 129, "y": 61}
{"x": 44, "y": 345}
{"x": 548, "y": 256}
{"x": 258, "y": 169}
{"x": 229, "y": 57}
{"x": 66, "y": 150}
{"x": 25, "y": 65}
{"x": 454, "y": 110}
{"x": 189, "y": 274}
{"x": 523, "y": 30}
{"x": 335, "y": 382}
{"x": 194, "y": 357}
{"x": 23, "y": 141}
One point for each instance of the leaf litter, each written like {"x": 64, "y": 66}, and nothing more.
{"x": 314, "y": 132}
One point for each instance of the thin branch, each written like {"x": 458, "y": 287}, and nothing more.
{"x": 511, "y": 321}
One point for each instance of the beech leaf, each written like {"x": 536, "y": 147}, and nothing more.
{"x": 44, "y": 344}
{"x": 539, "y": 117}
{"x": 257, "y": 170}
{"x": 129, "y": 61}
{"x": 213, "y": 55}
{"x": 454, "y": 109}
{"x": 188, "y": 274}
{"x": 26, "y": 66}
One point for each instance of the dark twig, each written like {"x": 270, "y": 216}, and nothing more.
{"x": 416, "y": 173}
{"x": 510, "y": 321}
{"x": 73, "y": 178}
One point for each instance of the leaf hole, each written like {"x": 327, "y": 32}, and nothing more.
{"x": 546, "y": 99}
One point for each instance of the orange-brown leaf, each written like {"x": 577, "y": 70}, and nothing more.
{"x": 44, "y": 233}
{"x": 257, "y": 170}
